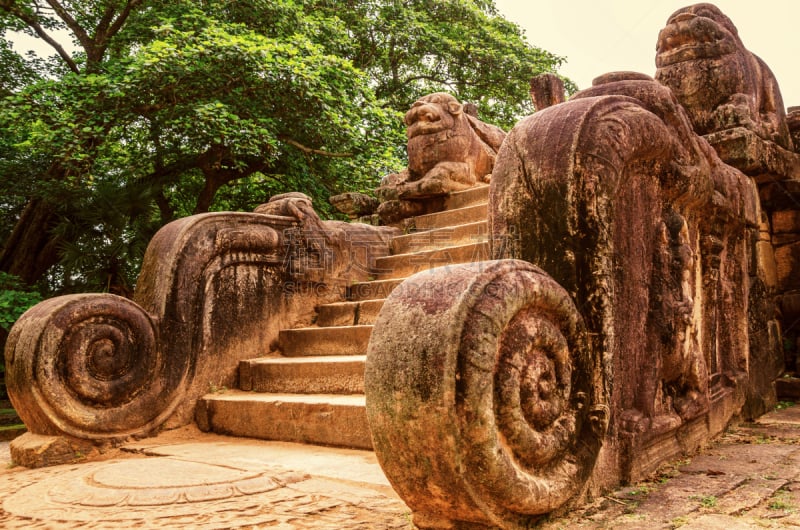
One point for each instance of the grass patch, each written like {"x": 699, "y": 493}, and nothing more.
{"x": 706, "y": 501}
{"x": 781, "y": 502}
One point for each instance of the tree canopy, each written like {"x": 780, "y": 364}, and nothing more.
{"x": 148, "y": 111}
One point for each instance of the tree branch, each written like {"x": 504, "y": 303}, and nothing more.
{"x": 163, "y": 173}
{"x": 105, "y": 22}
{"x": 33, "y": 23}
{"x": 311, "y": 151}
{"x": 216, "y": 177}
{"x": 123, "y": 16}
{"x": 73, "y": 25}
{"x": 108, "y": 26}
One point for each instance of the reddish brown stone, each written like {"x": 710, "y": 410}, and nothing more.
{"x": 614, "y": 195}
{"x": 36, "y": 450}
{"x": 547, "y": 90}
{"x": 787, "y": 258}
{"x": 784, "y": 195}
{"x": 482, "y": 395}
{"x": 786, "y": 222}
{"x": 354, "y": 204}
{"x": 719, "y": 82}
{"x": 214, "y": 289}
{"x": 448, "y": 150}
{"x": 664, "y": 250}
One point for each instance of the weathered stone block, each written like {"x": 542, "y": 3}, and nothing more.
{"x": 790, "y": 307}
{"x": 784, "y": 195}
{"x": 765, "y": 161}
{"x": 546, "y": 90}
{"x": 786, "y": 221}
{"x": 779, "y": 240}
{"x": 787, "y": 260}
{"x": 37, "y": 450}
{"x": 767, "y": 267}
{"x": 354, "y": 204}
{"x": 788, "y": 388}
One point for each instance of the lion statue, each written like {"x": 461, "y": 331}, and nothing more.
{"x": 448, "y": 150}
{"x": 701, "y": 58}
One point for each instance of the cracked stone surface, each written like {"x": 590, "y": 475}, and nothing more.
{"x": 193, "y": 480}
{"x": 749, "y": 478}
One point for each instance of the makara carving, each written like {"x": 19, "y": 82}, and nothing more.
{"x": 214, "y": 289}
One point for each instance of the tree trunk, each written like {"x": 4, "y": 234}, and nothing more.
{"x": 31, "y": 249}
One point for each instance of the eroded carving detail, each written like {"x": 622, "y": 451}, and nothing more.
{"x": 720, "y": 83}
{"x": 674, "y": 387}
{"x": 448, "y": 150}
{"x": 490, "y": 365}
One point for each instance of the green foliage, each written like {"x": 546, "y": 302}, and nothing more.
{"x": 462, "y": 47}
{"x": 15, "y": 299}
{"x": 151, "y": 111}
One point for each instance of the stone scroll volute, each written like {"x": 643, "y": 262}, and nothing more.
{"x": 214, "y": 289}
{"x": 73, "y": 353}
{"x": 481, "y": 395}
{"x": 102, "y": 368}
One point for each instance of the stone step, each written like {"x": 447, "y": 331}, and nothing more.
{"x": 343, "y": 374}
{"x": 448, "y": 218}
{"x": 404, "y": 265}
{"x": 440, "y": 237}
{"x": 314, "y": 392}
{"x": 326, "y": 419}
{"x": 372, "y": 290}
{"x": 335, "y": 340}
{"x": 349, "y": 313}
{"x": 474, "y": 195}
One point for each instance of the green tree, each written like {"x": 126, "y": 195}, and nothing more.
{"x": 463, "y": 47}
{"x": 149, "y": 111}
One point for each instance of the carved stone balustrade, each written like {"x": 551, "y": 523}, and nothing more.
{"x": 487, "y": 409}
{"x": 214, "y": 289}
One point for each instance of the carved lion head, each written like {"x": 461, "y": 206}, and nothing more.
{"x": 432, "y": 113}
{"x": 700, "y": 31}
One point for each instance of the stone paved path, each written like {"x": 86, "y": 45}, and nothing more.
{"x": 750, "y": 478}
{"x": 192, "y": 480}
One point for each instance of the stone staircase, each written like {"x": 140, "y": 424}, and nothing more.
{"x": 314, "y": 391}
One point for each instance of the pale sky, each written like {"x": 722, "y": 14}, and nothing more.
{"x": 600, "y": 36}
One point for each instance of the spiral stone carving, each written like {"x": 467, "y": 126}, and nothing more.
{"x": 88, "y": 366}
{"x": 483, "y": 396}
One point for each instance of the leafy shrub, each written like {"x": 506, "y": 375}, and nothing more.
{"x": 15, "y": 299}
